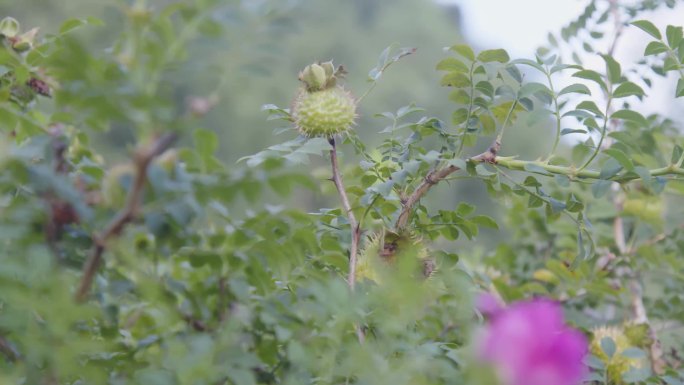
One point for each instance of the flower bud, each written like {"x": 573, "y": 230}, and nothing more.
{"x": 314, "y": 76}
{"x": 24, "y": 42}
{"x": 9, "y": 27}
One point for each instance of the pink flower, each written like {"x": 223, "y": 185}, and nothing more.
{"x": 530, "y": 344}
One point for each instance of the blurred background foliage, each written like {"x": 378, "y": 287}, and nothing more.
{"x": 252, "y": 51}
{"x": 226, "y": 278}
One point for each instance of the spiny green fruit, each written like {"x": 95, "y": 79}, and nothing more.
{"x": 322, "y": 108}
{"x": 390, "y": 253}
{"x": 617, "y": 365}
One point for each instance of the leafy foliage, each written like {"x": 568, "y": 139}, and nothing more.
{"x": 174, "y": 268}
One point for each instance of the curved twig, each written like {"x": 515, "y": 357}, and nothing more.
{"x": 142, "y": 159}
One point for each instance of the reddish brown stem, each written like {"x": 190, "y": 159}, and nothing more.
{"x": 437, "y": 175}
{"x": 142, "y": 159}
{"x": 353, "y": 223}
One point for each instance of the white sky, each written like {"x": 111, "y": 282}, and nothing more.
{"x": 520, "y": 26}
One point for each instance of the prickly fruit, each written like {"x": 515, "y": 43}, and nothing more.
{"x": 617, "y": 364}
{"x": 322, "y": 108}
{"x": 392, "y": 253}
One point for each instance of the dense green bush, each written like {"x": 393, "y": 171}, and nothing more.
{"x": 172, "y": 267}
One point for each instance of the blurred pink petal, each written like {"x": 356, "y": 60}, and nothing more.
{"x": 488, "y": 304}
{"x": 529, "y": 344}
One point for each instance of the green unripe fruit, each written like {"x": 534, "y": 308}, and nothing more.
{"x": 390, "y": 253}
{"x": 314, "y": 76}
{"x": 324, "y": 113}
{"x": 616, "y": 365}
{"x": 322, "y": 108}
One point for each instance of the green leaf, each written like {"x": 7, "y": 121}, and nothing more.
{"x": 206, "y": 141}
{"x": 455, "y": 79}
{"x": 481, "y": 170}
{"x": 464, "y": 209}
{"x": 654, "y": 48}
{"x": 593, "y": 76}
{"x": 488, "y": 124}
{"x": 600, "y": 188}
{"x": 588, "y": 105}
{"x": 452, "y": 64}
{"x": 485, "y": 87}
{"x": 484, "y": 221}
{"x": 644, "y": 173}
{"x": 647, "y": 27}
{"x": 676, "y": 154}
{"x": 70, "y": 25}
{"x": 628, "y": 89}
{"x": 531, "y": 182}
{"x": 621, "y": 157}
{"x": 498, "y": 55}
{"x": 530, "y": 63}
{"x": 595, "y": 363}
{"x": 514, "y": 72}
{"x": 575, "y": 88}
{"x": 464, "y": 50}
{"x": 459, "y": 116}
{"x": 680, "y": 88}
{"x": 671, "y": 64}
{"x": 567, "y": 131}
{"x": 458, "y": 163}
{"x": 533, "y": 87}
{"x": 634, "y": 353}
{"x": 674, "y": 36}
{"x": 608, "y": 346}
{"x": 629, "y": 115}
{"x": 610, "y": 168}
{"x": 612, "y": 69}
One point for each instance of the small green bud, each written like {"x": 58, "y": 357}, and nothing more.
{"x": 9, "y": 27}
{"x": 329, "y": 68}
{"x": 24, "y": 42}
{"x": 314, "y": 76}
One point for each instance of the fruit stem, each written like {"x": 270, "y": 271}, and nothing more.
{"x": 353, "y": 223}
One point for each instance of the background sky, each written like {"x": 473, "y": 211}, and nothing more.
{"x": 520, "y": 26}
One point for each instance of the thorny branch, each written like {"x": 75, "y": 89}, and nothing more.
{"x": 353, "y": 223}
{"x": 142, "y": 159}
{"x": 437, "y": 175}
